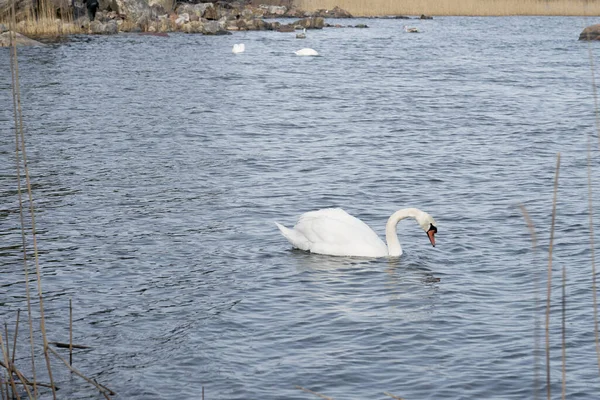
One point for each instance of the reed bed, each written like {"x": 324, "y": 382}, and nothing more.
{"x": 371, "y": 8}
{"x": 46, "y": 24}
{"x": 14, "y": 383}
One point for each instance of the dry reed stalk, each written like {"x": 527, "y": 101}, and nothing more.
{"x": 103, "y": 389}
{"x": 44, "y": 22}
{"x": 370, "y": 8}
{"x": 393, "y": 396}
{"x": 16, "y": 334}
{"x": 23, "y": 381}
{"x": 7, "y": 339}
{"x": 564, "y": 332}
{"x": 21, "y": 134}
{"x": 536, "y": 290}
{"x": 2, "y": 385}
{"x": 32, "y": 216}
{"x": 13, "y": 63}
{"x": 315, "y": 393}
{"x": 8, "y": 369}
{"x": 549, "y": 288}
{"x": 590, "y": 208}
{"x": 70, "y": 333}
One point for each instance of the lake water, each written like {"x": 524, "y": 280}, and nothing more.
{"x": 159, "y": 165}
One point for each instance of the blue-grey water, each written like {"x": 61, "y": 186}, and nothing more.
{"x": 159, "y": 165}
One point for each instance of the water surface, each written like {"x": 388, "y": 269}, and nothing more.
{"x": 159, "y": 165}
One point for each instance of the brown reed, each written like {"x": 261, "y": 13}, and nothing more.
{"x": 18, "y": 122}
{"x": 549, "y": 287}
{"x": 536, "y": 336}
{"x": 315, "y": 393}
{"x": 590, "y": 204}
{"x": 370, "y": 8}
{"x": 43, "y": 22}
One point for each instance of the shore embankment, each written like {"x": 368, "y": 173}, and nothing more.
{"x": 372, "y": 8}
{"x": 141, "y": 16}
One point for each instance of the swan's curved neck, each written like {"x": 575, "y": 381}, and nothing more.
{"x": 391, "y": 235}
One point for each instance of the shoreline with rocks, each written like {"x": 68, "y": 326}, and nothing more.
{"x": 220, "y": 18}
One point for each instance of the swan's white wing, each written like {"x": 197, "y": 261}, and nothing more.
{"x": 333, "y": 231}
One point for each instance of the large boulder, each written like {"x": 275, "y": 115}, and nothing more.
{"x": 20, "y": 40}
{"x": 214, "y": 28}
{"x": 590, "y": 33}
{"x": 336, "y": 12}
{"x": 132, "y": 9}
{"x": 311, "y": 23}
{"x": 98, "y": 28}
{"x": 193, "y": 9}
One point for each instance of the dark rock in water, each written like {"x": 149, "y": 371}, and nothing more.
{"x": 336, "y": 12}
{"x": 590, "y": 33}
{"x": 361, "y": 26}
{"x": 423, "y": 16}
{"x": 213, "y": 28}
{"x": 286, "y": 28}
{"x": 311, "y": 23}
{"x": 20, "y": 40}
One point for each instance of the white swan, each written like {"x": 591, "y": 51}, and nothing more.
{"x": 306, "y": 52}
{"x": 334, "y": 232}
{"x": 301, "y": 35}
{"x": 238, "y": 48}
{"x": 410, "y": 29}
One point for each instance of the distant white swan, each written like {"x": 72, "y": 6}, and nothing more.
{"x": 238, "y": 48}
{"x": 410, "y": 29}
{"x": 334, "y": 232}
{"x": 301, "y": 35}
{"x": 306, "y": 52}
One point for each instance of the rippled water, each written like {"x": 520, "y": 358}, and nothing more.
{"x": 159, "y": 165}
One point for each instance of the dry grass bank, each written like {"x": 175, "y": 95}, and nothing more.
{"x": 47, "y": 24}
{"x": 369, "y": 8}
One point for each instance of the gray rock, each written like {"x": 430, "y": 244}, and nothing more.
{"x": 3, "y": 28}
{"x": 193, "y": 9}
{"x": 590, "y": 33}
{"x": 20, "y": 39}
{"x": 311, "y": 23}
{"x": 133, "y": 9}
{"x": 111, "y": 28}
{"x": 98, "y": 28}
{"x": 211, "y": 28}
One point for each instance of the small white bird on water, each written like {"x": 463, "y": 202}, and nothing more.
{"x": 334, "y": 232}
{"x": 306, "y": 52}
{"x": 410, "y": 29}
{"x": 238, "y": 48}
{"x": 301, "y": 35}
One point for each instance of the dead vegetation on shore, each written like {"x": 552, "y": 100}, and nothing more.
{"x": 371, "y": 8}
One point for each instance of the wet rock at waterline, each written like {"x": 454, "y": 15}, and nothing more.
{"x": 590, "y": 33}
{"x": 20, "y": 39}
{"x": 109, "y": 28}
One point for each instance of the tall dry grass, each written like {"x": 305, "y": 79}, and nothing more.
{"x": 369, "y": 8}
{"x": 47, "y": 23}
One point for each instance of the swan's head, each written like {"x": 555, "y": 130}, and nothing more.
{"x": 428, "y": 224}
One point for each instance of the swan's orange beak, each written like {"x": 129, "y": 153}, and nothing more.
{"x": 430, "y": 234}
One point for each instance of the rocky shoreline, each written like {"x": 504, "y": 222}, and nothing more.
{"x": 218, "y": 18}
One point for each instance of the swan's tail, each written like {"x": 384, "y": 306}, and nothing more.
{"x": 295, "y": 238}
